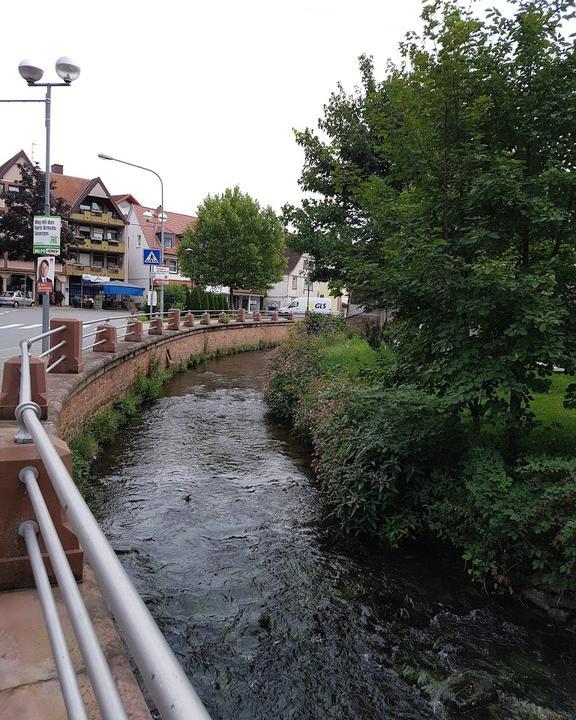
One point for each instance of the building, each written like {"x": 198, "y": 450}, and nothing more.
{"x": 97, "y": 251}
{"x": 143, "y": 232}
{"x": 19, "y": 274}
{"x": 295, "y": 284}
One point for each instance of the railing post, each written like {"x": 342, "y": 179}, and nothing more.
{"x": 174, "y": 319}
{"x": 72, "y": 350}
{"x": 257, "y": 316}
{"x": 222, "y": 317}
{"x": 274, "y": 317}
{"x": 290, "y": 316}
{"x": 241, "y": 315}
{"x": 10, "y": 392}
{"x": 205, "y": 319}
{"x": 189, "y": 320}
{"x": 109, "y": 334}
{"x": 15, "y": 508}
{"x": 134, "y": 331}
{"x": 156, "y": 326}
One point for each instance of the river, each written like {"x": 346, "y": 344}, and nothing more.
{"x": 212, "y": 508}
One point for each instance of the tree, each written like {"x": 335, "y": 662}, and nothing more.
{"x": 234, "y": 242}
{"x": 448, "y": 191}
{"x": 17, "y": 223}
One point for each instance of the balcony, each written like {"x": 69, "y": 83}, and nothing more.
{"x": 98, "y": 245}
{"x": 77, "y": 270}
{"x": 100, "y": 218}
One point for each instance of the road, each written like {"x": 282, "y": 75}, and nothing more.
{"x": 20, "y": 323}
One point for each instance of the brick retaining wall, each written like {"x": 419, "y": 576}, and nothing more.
{"x": 74, "y": 399}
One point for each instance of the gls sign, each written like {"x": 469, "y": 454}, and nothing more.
{"x": 320, "y": 306}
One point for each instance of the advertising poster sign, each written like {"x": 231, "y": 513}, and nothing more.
{"x": 46, "y": 235}
{"x": 45, "y": 274}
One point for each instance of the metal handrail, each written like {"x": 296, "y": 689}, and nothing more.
{"x": 68, "y": 680}
{"x": 52, "y": 349}
{"x": 97, "y": 667}
{"x": 55, "y": 364}
{"x": 96, "y": 332}
{"x": 161, "y": 673}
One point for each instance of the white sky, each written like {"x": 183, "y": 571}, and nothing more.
{"x": 206, "y": 93}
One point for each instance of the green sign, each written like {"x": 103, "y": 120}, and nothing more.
{"x": 46, "y": 235}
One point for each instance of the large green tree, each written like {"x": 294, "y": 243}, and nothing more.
{"x": 447, "y": 191}
{"x": 234, "y": 242}
{"x": 17, "y": 223}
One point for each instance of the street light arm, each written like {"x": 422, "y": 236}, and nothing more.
{"x": 103, "y": 156}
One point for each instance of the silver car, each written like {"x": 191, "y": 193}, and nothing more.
{"x": 15, "y": 298}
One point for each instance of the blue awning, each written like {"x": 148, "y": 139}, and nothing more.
{"x": 120, "y": 288}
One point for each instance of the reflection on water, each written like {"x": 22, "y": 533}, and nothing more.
{"x": 215, "y": 516}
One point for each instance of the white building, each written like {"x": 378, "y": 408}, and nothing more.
{"x": 143, "y": 232}
{"x": 295, "y": 284}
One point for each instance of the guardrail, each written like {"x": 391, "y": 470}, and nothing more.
{"x": 161, "y": 673}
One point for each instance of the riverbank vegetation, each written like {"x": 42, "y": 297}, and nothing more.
{"x": 397, "y": 463}
{"x": 446, "y": 193}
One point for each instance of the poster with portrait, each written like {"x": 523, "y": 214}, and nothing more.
{"x": 45, "y": 274}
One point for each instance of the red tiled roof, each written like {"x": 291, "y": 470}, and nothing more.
{"x": 175, "y": 223}
{"x": 68, "y": 188}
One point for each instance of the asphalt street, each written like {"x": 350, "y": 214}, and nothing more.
{"x": 20, "y": 323}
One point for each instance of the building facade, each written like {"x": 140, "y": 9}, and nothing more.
{"x": 143, "y": 232}
{"x": 97, "y": 250}
{"x": 295, "y": 284}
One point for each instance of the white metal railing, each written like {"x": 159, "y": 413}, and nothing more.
{"x": 161, "y": 673}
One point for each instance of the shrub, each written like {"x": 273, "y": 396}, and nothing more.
{"x": 374, "y": 448}
{"x": 513, "y": 522}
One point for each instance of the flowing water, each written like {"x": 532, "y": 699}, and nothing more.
{"x": 213, "y": 510}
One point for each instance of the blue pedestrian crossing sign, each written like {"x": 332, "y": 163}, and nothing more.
{"x": 151, "y": 257}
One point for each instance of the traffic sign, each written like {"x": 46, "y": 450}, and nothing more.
{"x": 151, "y": 257}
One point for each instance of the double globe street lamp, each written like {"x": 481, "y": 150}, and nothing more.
{"x": 67, "y": 71}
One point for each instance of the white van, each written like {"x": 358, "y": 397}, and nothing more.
{"x": 297, "y": 307}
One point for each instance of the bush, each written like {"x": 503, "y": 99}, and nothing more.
{"x": 175, "y": 296}
{"x": 374, "y": 448}
{"x": 513, "y": 522}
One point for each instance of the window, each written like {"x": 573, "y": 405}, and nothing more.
{"x": 112, "y": 236}
{"x": 294, "y": 282}
{"x": 98, "y": 261}
{"x": 96, "y": 207}
{"x": 84, "y": 207}
{"x": 173, "y": 265}
{"x": 112, "y": 262}
{"x": 73, "y": 259}
{"x": 139, "y": 241}
{"x": 84, "y": 231}
{"x": 168, "y": 239}
{"x": 97, "y": 235}
{"x": 13, "y": 188}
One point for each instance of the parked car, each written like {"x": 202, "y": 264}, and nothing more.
{"x": 15, "y": 298}
{"x": 87, "y": 301}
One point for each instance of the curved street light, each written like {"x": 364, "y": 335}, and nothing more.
{"x": 162, "y": 215}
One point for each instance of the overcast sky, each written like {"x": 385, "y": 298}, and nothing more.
{"x": 206, "y": 93}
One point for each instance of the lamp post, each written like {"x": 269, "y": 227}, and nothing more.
{"x": 68, "y": 71}
{"x": 102, "y": 156}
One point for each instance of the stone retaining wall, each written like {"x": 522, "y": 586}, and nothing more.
{"x": 74, "y": 399}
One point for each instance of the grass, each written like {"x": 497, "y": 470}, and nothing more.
{"x": 557, "y": 432}
{"x": 353, "y": 358}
